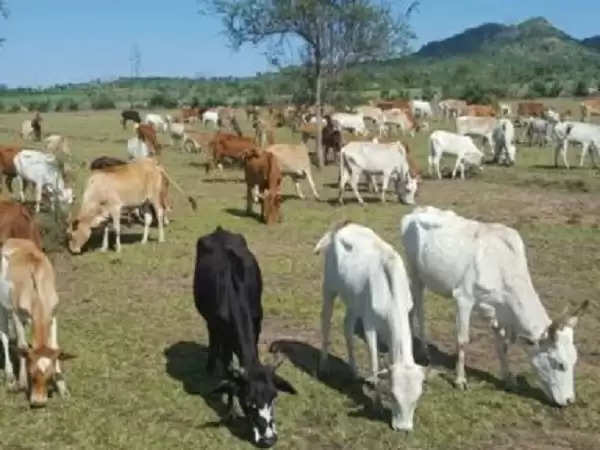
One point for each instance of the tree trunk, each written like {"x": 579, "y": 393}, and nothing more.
{"x": 319, "y": 146}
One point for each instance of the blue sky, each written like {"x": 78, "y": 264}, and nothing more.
{"x": 57, "y": 41}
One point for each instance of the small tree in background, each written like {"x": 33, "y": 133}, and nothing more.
{"x": 333, "y": 33}
{"x": 581, "y": 89}
{"x": 3, "y": 13}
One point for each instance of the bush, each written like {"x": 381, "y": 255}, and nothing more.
{"x": 66, "y": 104}
{"x": 41, "y": 106}
{"x": 475, "y": 93}
{"x": 15, "y": 108}
{"x": 555, "y": 89}
{"x": 161, "y": 100}
{"x": 102, "y": 101}
{"x": 537, "y": 89}
{"x": 581, "y": 89}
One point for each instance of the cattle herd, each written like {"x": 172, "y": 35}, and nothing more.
{"x": 482, "y": 266}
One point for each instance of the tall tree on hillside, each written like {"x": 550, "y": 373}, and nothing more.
{"x": 334, "y": 33}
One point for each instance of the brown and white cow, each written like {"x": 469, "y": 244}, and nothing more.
{"x": 295, "y": 163}
{"x": 262, "y": 171}
{"x": 16, "y": 221}
{"x": 28, "y": 294}
{"x": 112, "y": 188}
{"x": 147, "y": 134}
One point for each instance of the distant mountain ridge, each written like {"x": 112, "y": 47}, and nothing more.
{"x": 592, "y": 42}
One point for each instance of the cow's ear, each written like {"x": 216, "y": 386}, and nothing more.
{"x": 283, "y": 385}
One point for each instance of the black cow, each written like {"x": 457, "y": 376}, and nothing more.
{"x": 130, "y": 114}
{"x": 227, "y": 293}
{"x": 331, "y": 139}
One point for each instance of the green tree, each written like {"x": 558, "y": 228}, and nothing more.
{"x": 334, "y": 33}
{"x": 581, "y": 89}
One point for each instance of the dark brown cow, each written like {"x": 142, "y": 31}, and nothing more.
{"x": 229, "y": 145}
{"x": 36, "y": 124}
{"x": 530, "y": 109}
{"x": 262, "y": 170}
{"x": 17, "y": 222}
{"x": 7, "y": 165}
{"x": 147, "y": 133}
{"x": 331, "y": 139}
{"x": 480, "y": 111}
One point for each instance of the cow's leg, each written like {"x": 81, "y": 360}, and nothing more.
{"x": 21, "y": 184}
{"x": 160, "y": 212}
{"x": 59, "y": 379}
{"x": 371, "y": 340}
{"x": 38, "y": 196}
{"x": 311, "y": 183}
{"x": 456, "y": 167}
{"x": 116, "y": 218}
{"x": 344, "y": 175}
{"x": 249, "y": 199}
{"x": 326, "y": 312}
{"x": 147, "y": 223}
{"x": 463, "y": 317}
{"x": 23, "y": 347}
{"x": 437, "y": 168}
{"x": 384, "y": 185}
{"x": 501, "y": 342}
{"x": 105, "y": 238}
{"x": 349, "y": 322}
{"x": 9, "y": 372}
{"x": 584, "y": 149}
{"x": 354, "y": 177}
{"x": 417, "y": 316}
{"x": 564, "y": 153}
{"x": 296, "y": 180}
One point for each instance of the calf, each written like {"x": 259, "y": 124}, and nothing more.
{"x": 586, "y": 134}
{"x": 229, "y": 145}
{"x": 28, "y": 295}
{"x": 262, "y": 171}
{"x": 466, "y": 152}
{"x": 452, "y": 108}
{"x": 295, "y": 163}
{"x": 369, "y": 276}
{"x": 227, "y": 294}
{"x": 538, "y": 131}
{"x": 114, "y": 187}
{"x": 130, "y": 115}
{"x": 44, "y": 171}
{"x": 389, "y": 160}
{"x": 487, "y": 272}
{"x": 17, "y": 222}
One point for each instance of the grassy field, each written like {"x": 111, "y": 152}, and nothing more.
{"x": 139, "y": 379}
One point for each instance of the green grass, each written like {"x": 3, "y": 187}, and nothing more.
{"x": 139, "y": 379}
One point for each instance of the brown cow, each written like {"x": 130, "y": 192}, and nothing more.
{"x": 7, "y": 164}
{"x": 530, "y": 109}
{"x": 17, "y": 222}
{"x": 480, "y": 111}
{"x": 33, "y": 299}
{"x": 147, "y": 134}
{"x": 263, "y": 172}
{"x": 229, "y": 145}
{"x": 190, "y": 114}
{"x": 389, "y": 104}
{"x": 590, "y": 108}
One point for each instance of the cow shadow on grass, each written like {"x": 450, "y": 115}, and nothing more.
{"x": 223, "y": 180}
{"x": 339, "y": 377}
{"x": 186, "y": 362}
{"x": 95, "y": 240}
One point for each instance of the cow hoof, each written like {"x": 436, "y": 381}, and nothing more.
{"x": 103, "y": 249}
{"x": 11, "y": 384}
{"x": 461, "y": 384}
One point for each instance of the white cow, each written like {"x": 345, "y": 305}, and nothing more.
{"x": 505, "y": 150}
{"x": 399, "y": 118}
{"x": 43, "y": 170}
{"x": 538, "y": 130}
{"x": 586, "y": 134}
{"x": 210, "y": 116}
{"x": 136, "y": 148}
{"x": 157, "y": 121}
{"x": 477, "y": 126}
{"x": 443, "y": 142}
{"x": 352, "y": 122}
{"x": 374, "y": 159}
{"x": 452, "y": 108}
{"x": 26, "y": 129}
{"x": 483, "y": 266}
{"x": 552, "y": 116}
{"x": 57, "y": 143}
{"x": 369, "y": 276}
{"x": 175, "y": 130}
{"x": 421, "y": 108}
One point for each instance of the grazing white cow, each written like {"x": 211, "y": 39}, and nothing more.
{"x": 443, "y": 142}
{"x": 586, "y": 134}
{"x": 505, "y": 150}
{"x": 136, "y": 148}
{"x": 389, "y": 160}
{"x": 353, "y": 122}
{"x": 477, "y": 126}
{"x": 483, "y": 266}
{"x": 369, "y": 276}
{"x": 421, "y": 108}
{"x": 43, "y": 170}
{"x": 157, "y": 121}
{"x": 210, "y": 116}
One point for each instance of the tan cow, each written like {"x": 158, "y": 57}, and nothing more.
{"x": 590, "y": 108}
{"x": 112, "y": 188}
{"x": 262, "y": 171}
{"x": 28, "y": 293}
{"x": 16, "y": 221}
{"x": 530, "y": 109}
{"x": 480, "y": 111}
{"x": 295, "y": 163}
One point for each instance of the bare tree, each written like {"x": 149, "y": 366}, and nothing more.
{"x": 334, "y": 33}
{"x": 3, "y": 13}
{"x": 135, "y": 59}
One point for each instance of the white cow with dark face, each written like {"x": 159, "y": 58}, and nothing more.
{"x": 369, "y": 276}
{"x": 483, "y": 266}
{"x": 371, "y": 158}
{"x": 586, "y": 134}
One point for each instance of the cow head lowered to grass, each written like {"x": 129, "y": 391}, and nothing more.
{"x": 227, "y": 293}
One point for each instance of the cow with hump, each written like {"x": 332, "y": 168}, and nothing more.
{"x": 227, "y": 293}
{"x": 483, "y": 266}
{"x": 369, "y": 276}
{"x": 28, "y": 295}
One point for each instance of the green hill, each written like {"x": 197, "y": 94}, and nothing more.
{"x": 592, "y": 42}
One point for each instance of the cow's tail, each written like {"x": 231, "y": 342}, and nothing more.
{"x": 190, "y": 199}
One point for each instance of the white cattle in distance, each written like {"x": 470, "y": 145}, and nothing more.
{"x": 583, "y": 133}
{"x": 353, "y": 122}
{"x": 483, "y": 266}
{"x": 446, "y": 143}
{"x": 369, "y": 276}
